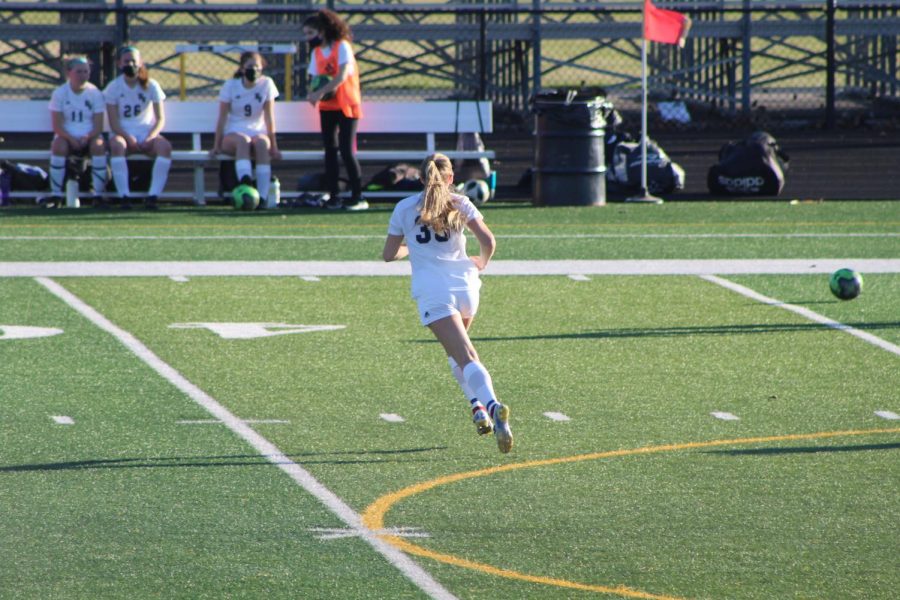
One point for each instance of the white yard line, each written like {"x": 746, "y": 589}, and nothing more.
{"x": 247, "y": 421}
{"x": 725, "y": 416}
{"x": 557, "y": 416}
{"x": 501, "y": 236}
{"x": 401, "y": 268}
{"x": 805, "y": 312}
{"x": 392, "y": 418}
{"x": 887, "y": 414}
{"x": 301, "y": 476}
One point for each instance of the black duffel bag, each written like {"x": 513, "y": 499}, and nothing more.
{"x": 754, "y": 166}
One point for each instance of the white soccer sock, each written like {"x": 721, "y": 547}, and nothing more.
{"x": 119, "y": 165}
{"x": 479, "y": 381}
{"x": 57, "y": 173}
{"x": 460, "y": 379}
{"x": 243, "y": 168}
{"x": 263, "y": 179}
{"x": 160, "y": 175}
{"x": 98, "y": 173}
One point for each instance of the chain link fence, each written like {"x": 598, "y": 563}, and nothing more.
{"x": 775, "y": 65}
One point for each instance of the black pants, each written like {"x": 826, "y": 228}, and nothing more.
{"x": 339, "y": 134}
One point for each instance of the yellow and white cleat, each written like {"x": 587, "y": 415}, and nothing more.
{"x": 501, "y": 428}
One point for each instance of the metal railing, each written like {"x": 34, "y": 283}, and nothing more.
{"x": 768, "y": 63}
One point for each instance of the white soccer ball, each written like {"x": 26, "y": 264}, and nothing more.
{"x": 477, "y": 191}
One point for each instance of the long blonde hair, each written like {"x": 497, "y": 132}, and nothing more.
{"x": 437, "y": 209}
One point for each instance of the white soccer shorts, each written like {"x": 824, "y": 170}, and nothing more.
{"x": 436, "y": 306}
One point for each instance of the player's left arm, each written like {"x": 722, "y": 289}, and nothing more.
{"x": 269, "y": 117}
{"x": 97, "y": 122}
{"x": 159, "y": 110}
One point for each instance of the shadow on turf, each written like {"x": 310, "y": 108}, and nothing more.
{"x": 679, "y": 331}
{"x": 805, "y": 449}
{"x": 240, "y": 460}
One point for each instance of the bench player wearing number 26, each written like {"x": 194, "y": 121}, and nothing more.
{"x": 137, "y": 117}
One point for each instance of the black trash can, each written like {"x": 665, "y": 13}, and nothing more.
{"x": 569, "y": 163}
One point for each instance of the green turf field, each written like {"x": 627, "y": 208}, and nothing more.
{"x": 728, "y": 430}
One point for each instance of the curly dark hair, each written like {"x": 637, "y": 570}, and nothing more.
{"x": 330, "y": 24}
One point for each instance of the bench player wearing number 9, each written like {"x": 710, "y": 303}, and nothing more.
{"x": 429, "y": 228}
{"x": 246, "y": 124}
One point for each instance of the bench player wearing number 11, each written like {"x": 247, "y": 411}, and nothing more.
{"x": 428, "y": 227}
{"x": 77, "y": 109}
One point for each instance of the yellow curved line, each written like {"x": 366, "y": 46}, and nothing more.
{"x": 373, "y": 515}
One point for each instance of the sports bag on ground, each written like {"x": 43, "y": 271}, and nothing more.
{"x": 399, "y": 177}
{"x": 24, "y": 177}
{"x": 754, "y": 166}
{"x": 624, "y": 173}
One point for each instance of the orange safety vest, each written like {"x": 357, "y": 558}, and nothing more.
{"x": 347, "y": 98}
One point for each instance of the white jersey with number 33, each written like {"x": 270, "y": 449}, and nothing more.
{"x": 438, "y": 261}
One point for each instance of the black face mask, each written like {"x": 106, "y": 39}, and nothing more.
{"x": 129, "y": 70}
{"x": 251, "y": 74}
{"x": 313, "y": 42}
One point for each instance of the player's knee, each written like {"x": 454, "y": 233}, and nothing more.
{"x": 98, "y": 146}
{"x": 163, "y": 147}
{"x": 117, "y": 146}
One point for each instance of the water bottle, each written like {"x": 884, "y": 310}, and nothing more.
{"x": 274, "y": 196}
{"x": 72, "y": 200}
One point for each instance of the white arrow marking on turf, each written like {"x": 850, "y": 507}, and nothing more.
{"x": 391, "y": 417}
{"x": 886, "y": 414}
{"x": 21, "y": 332}
{"x": 247, "y": 331}
{"x": 61, "y": 420}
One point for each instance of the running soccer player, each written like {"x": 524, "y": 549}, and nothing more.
{"x": 429, "y": 228}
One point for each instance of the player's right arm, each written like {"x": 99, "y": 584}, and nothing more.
{"x": 394, "y": 248}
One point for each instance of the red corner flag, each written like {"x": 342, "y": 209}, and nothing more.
{"x": 665, "y": 26}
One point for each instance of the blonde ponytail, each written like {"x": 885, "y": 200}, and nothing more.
{"x": 437, "y": 209}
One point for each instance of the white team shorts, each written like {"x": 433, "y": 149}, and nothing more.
{"x": 438, "y": 305}
{"x": 246, "y": 129}
{"x": 139, "y": 132}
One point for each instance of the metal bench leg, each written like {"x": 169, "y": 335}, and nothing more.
{"x": 199, "y": 176}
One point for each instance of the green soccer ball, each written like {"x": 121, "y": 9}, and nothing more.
{"x": 319, "y": 81}
{"x": 846, "y": 284}
{"x": 245, "y": 197}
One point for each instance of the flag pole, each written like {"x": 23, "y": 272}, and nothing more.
{"x": 644, "y": 193}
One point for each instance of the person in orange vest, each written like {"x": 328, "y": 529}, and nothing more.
{"x": 334, "y": 85}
